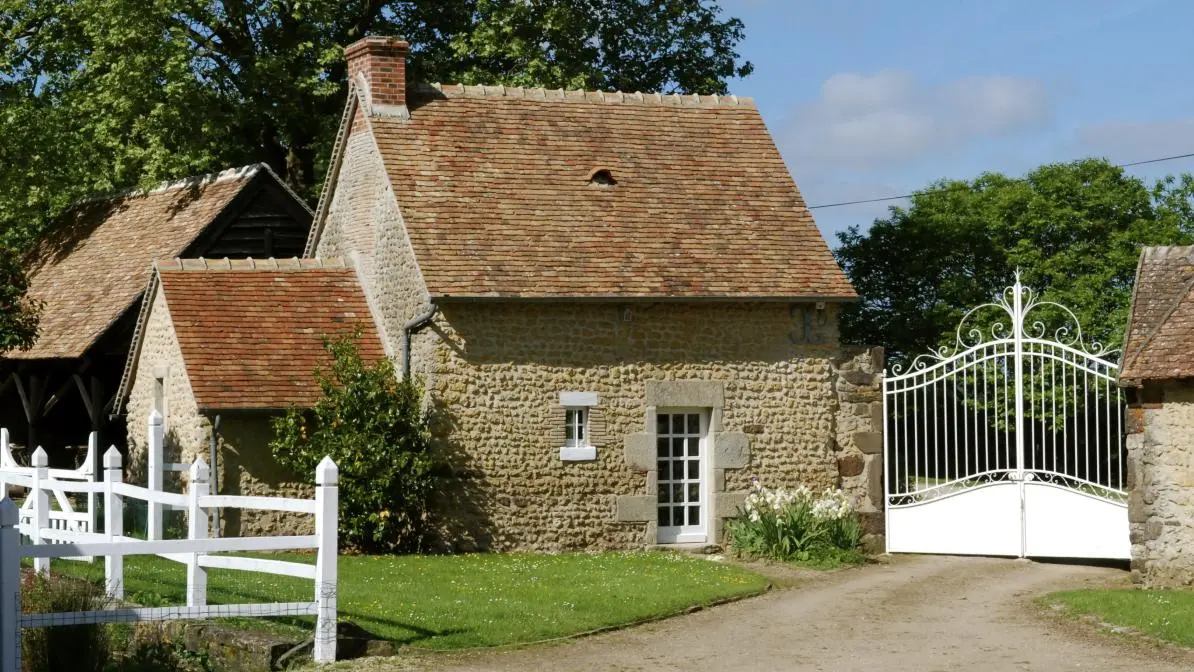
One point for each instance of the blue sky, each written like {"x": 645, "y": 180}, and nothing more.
{"x": 877, "y": 98}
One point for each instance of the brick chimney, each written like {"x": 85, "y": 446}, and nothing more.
{"x": 382, "y": 60}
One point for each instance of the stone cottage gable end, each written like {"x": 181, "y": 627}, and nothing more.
{"x": 1158, "y": 369}
{"x": 608, "y": 260}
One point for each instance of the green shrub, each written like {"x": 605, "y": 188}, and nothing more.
{"x": 374, "y": 427}
{"x": 794, "y": 525}
{"x": 152, "y": 650}
{"x": 63, "y": 648}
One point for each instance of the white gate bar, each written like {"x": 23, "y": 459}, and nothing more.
{"x": 279, "y": 567}
{"x": 258, "y": 503}
{"x": 159, "y": 547}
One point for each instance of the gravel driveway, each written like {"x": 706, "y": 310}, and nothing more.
{"x": 913, "y": 613}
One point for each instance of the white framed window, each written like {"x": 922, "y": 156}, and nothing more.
{"x": 576, "y": 427}
{"x": 578, "y": 444}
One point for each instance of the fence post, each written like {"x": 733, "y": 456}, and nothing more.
{"x": 113, "y": 523}
{"x": 197, "y": 529}
{"x": 153, "y": 530}
{"x": 327, "y": 506}
{"x": 92, "y": 461}
{"x": 4, "y": 453}
{"x": 10, "y": 587}
{"x": 41, "y": 505}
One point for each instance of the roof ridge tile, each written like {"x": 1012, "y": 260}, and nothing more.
{"x": 581, "y": 95}
{"x": 202, "y": 264}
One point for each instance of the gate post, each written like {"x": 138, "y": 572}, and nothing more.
{"x": 197, "y": 524}
{"x": 113, "y": 523}
{"x": 10, "y": 587}
{"x": 1018, "y": 328}
{"x": 41, "y": 505}
{"x": 327, "y": 506}
{"x": 153, "y": 530}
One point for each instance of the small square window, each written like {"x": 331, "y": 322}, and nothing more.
{"x": 576, "y": 421}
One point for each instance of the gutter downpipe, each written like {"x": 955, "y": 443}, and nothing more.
{"x": 215, "y": 473}
{"x": 408, "y": 330}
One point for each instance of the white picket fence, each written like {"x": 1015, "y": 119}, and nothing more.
{"x": 62, "y": 513}
{"x": 196, "y": 551}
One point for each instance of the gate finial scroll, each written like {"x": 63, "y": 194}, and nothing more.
{"x": 1002, "y": 331}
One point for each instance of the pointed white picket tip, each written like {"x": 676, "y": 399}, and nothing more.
{"x": 155, "y": 418}
{"x": 199, "y": 470}
{"x": 327, "y": 473}
{"x": 8, "y": 512}
{"x": 40, "y": 459}
{"x": 112, "y": 458}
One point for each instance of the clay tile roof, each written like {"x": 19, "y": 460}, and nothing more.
{"x": 252, "y": 337}
{"x": 95, "y": 262}
{"x": 503, "y": 195}
{"x": 1160, "y": 336}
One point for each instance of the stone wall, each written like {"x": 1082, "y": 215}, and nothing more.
{"x": 858, "y": 437}
{"x": 786, "y": 404}
{"x": 1160, "y": 475}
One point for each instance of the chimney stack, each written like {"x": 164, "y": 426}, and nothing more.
{"x": 382, "y": 60}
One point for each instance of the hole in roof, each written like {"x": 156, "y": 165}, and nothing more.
{"x": 602, "y": 177}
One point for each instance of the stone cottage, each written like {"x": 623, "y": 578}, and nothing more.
{"x": 1158, "y": 370}
{"x": 90, "y": 271}
{"x": 619, "y": 303}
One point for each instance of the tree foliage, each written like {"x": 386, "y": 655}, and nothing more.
{"x": 100, "y": 95}
{"x": 18, "y": 314}
{"x": 373, "y": 427}
{"x": 1074, "y": 230}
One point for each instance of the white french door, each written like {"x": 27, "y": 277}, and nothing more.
{"x": 682, "y": 454}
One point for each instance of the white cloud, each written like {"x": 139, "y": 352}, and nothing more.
{"x": 875, "y": 121}
{"x": 1125, "y": 142}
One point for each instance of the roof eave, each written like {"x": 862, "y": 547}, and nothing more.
{"x": 642, "y": 298}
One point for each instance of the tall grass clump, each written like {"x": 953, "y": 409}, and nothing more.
{"x": 795, "y": 525}
{"x": 63, "y": 648}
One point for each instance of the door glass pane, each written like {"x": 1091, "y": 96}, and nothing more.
{"x": 662, "y": 466}
{"x": 694, "y": 515}
{"x": 694, "y": 492}
{"x": 678, "y": 493}
{"x": 665, "y": 518}
{"x": 694, "y": 423}
{"x": 661, "y": 423}
{"x": 661, "y": 447}
{"x": 677, "y": 424}
{"x": 694, "y": 446}
{"x": 678, "y": 515}
{"x": 694, "y": 469}
{"x": 678, "y": 470}
{"x": 664, "y": 495}
{"x": 678, "y": 447}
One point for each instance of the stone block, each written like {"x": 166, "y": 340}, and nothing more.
{"x": 718, "y": 484}
{"x": 877, "y": 416}
{"x": 1136, "y": 510}
{"x": 873, "y": 522}
{"x": 679, "y": 393}
{"x": 874, "y": 544}
{"x": 753, "y": 429}
{"x": 874, "y": 482}
{"x": 636, "y": 508}
{"x": 1131, "y": 468}
{"x": 850, "y": 465}
{"x": 726, "y": 504}
{"x": 870, "y": 443}
{"x": 731, "y": 450}
{"x": 860, "y": 378}
{"x": 640, "y": 451}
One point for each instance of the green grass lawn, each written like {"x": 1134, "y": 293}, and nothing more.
{"x": 1164, "y": 614}
{"x": 462, "y": 601}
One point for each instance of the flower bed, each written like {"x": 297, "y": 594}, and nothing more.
{"x": 796, "y": 525}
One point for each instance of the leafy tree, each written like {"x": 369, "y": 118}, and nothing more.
{"x": 373, "y": 426}
{"x": 1074, "y": 230}
{"x": 18, "y": 314}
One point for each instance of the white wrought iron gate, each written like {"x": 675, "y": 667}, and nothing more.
{"x": 1010, "y": 442}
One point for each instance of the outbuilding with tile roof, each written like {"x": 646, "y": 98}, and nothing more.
{"x": 90, "y": 270}
{"x": 1158, "y": 370}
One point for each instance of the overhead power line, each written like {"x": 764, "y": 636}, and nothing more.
{"x": 1019, "y": 179}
